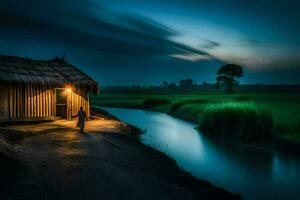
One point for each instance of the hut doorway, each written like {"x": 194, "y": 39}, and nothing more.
{"x": 61, "y": 103}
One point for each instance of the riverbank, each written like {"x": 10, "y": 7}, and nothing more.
{"x": 259, "y": 173}
{"x": 55, "y": 161}
{"x": 190, "y": 106}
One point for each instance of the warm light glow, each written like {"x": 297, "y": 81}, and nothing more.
{"x": 68, "y": 89}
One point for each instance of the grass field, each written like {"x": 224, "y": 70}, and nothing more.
{"x": 191, "y": 106}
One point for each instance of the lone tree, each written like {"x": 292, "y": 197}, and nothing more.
{"x": 227, "y": 75}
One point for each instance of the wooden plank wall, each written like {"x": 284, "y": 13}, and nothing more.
{"x": 30, "y": 101}
{"x": 35, "y": 102}
{"x": 4, "y": 112}
{"x": 79, "y": 98}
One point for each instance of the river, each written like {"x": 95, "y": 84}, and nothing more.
{"x": 252, "y": 172}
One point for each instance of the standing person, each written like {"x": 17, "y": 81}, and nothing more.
{"x": 82, "y": 117}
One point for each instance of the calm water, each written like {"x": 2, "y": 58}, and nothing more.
{"x": 252, "y": 172}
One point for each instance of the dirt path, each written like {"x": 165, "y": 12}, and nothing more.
{"x": 58, "y": 162}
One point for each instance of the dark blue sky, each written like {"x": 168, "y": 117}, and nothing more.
{"x": 144, "y": 42}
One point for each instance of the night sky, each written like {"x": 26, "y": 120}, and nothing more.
{"x": 120, "y": 42}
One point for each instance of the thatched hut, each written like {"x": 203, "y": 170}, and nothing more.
{"x": 34, "y": 90}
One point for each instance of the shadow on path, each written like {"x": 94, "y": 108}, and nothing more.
{"x": 67, "y": 164}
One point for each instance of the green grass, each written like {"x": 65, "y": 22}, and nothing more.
{"x": 243, "y": 121}
{"x": 191, "y": 106}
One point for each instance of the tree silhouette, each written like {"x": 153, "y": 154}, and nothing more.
{"x": 165, "y": 84}
{"x": 187, "y": 83}
{"x": 172, "y": 86}
{"x": 227, "y": 75}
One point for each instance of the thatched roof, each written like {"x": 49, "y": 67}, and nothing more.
{"x": 52, "y": 73}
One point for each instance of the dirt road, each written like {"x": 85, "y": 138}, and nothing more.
{"x": 58, "y": 162}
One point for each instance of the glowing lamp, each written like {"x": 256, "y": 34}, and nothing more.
{"x": 68, "y": 89}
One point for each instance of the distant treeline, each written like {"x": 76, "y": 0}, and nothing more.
{"x": 189, "y": 84}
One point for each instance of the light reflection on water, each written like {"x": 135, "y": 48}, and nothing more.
{"x": 252, "y": 172}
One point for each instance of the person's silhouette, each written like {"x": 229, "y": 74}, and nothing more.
{"x": 82, "y": 117}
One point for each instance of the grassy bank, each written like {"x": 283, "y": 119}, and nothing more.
{"x": 243, "y": 121}
{"x": 282, "y": 108}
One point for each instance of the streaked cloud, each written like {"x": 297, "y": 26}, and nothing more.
{"x": 107, "y": 31}
{"x": 150, "y": 40}
{"x": 191, "y": 57}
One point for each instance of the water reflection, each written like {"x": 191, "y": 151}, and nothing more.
{"x": 252, "y": 172}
